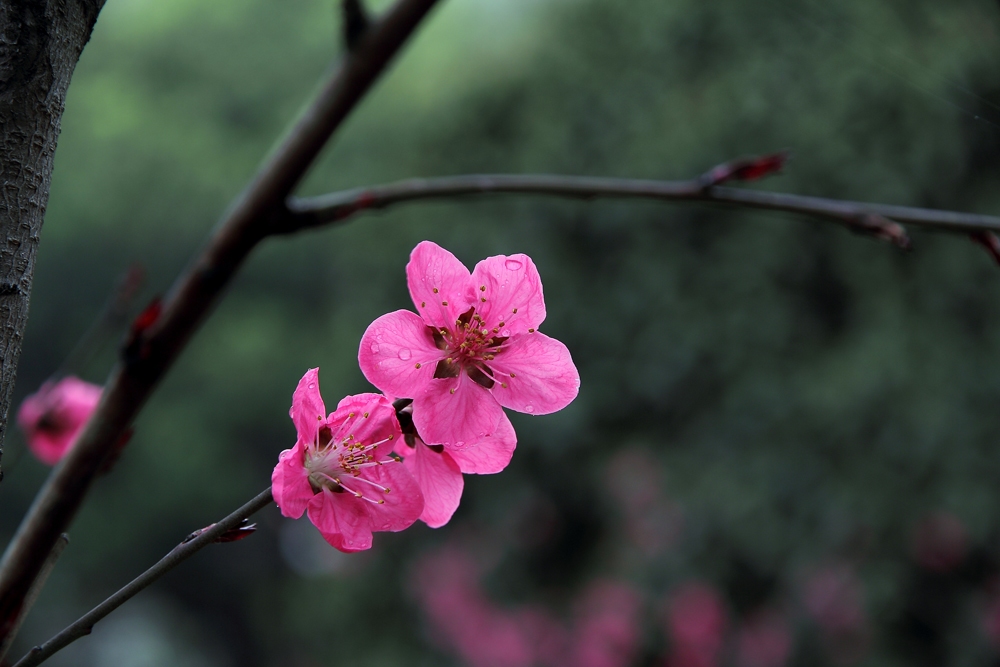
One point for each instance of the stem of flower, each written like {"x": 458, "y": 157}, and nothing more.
{"x": 85, "y": 624}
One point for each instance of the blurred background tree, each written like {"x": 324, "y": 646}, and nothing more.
{"x": 793, "y": 422}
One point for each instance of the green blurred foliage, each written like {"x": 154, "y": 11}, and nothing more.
{"x": 805, "y": 394}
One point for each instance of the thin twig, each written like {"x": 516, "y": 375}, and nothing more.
{"x": 85, "y": 624}
{"x": 29, "y": 600}
{"x": 256, "y": 214}
{"x": 316, "y": 211}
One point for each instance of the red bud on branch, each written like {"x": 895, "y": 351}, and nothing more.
{"x": 989, "y": 241}
{"x": 881, "y": 227}
{"x": 745, "y": 169}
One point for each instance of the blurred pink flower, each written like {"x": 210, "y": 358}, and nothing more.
{"x": 696, "y": 622}
{"x": 463, "y": 618}
{"x": 989, "y": 616}
{"x": 606, "y": 631}
{"x": 472, "y": 349}
{"x": 53, "y": 417}
{"x": 340, "y": 469}
{"x": 652, "y": 523}
{"x": 763, "y": 640}
{"x": 940, "y": 542}
{"x": 834, "y": 597}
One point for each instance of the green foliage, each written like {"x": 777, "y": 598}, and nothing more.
{"x": 809, "y": 394}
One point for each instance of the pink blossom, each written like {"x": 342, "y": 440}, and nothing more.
{"x": 463, "y": 618}
{"x": 696, "y": 621}
{"x": 606, "y": 632}
{"x": 438, "y": 468}
{"x": 940, "y": 542}
{"x": 473, "y": 347}
{"x": 763, "y": 640}
{"x": 340, "y": 470}
{"x": 834, "y": 597}
{"x": 53, "y": 417}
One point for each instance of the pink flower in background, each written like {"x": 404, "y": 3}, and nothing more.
{"x": 463, "y": 618}
{"x": 696, "y": 622}
{"x": 53, "y": 417}
{"x": 763, "y": 640}
{"x": 606, "y": 632}
{"x": 340, "y": 470}
{"x": 473, "y": 348}
{"x": 834, "y": 597}
{"x": 940, "y": 542}
{"x": 438, "y": 469}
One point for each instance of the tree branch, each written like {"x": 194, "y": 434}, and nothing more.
{"x": 257, "y": 213}
{"x": 85, "y": 624}
{"x": 40, "y": 45}
{"x": 874, "y": 219}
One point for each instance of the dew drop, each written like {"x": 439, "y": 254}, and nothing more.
{"x": 404, "y": 354}
{"x": 512, "y": 264}
{"x": 460, "y": 444}
{"x": 374, "y": 348}
{"x": 529, "y": 408}
{"x": 505, "y": 333}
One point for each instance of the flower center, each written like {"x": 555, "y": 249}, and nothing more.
{"x": 471, "y": 345}
{"x": 337, "y": 465}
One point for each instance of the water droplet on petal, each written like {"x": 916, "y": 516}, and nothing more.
{"x": 404, "y": 354}
{"x": 460, "y": 444}
{"x": 529, "y": 408}
{"x": 312, "y": 385}
{"x": 505, "y": 333}
{"x": 374, "y": 348}
{"x": 512, "y": 264}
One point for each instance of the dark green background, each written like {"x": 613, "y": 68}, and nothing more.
{"x": 809, "y": 394}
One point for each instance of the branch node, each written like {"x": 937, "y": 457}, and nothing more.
{"x": 356, "y": 22}
{"x": 882, "y": 228}
{"x": 989, "y": 241}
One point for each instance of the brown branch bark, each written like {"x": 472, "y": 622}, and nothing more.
{"x": 258, "y": 212}
{"x": 881, "y": 220}
{"x": 40, "y": 44}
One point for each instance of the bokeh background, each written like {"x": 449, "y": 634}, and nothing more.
{"x": 785, "y": 448}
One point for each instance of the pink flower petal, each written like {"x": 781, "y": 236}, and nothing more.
{"x": 370, "y": 419}
{"x": 53, "y": 417}
{"x": 455, "y": 411}
{"x": 440, "y": 480}
{"x": 290, "y": 482}
{"x": 538, "y": 372}
{"x": 342, "y": 520}
{"x": 307, "y": 411}
{"x": 512, "y": 284}
{"x": 400, "y": 507}
{"x": 398, "y": 354}
{"x": 439, "y": 284}
{"x": 489, "y": 454}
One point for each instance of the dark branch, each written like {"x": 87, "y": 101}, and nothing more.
{"x": 881, "y": 220}
{"x": 85, "y": 624}
{"x": 257, "y": 213}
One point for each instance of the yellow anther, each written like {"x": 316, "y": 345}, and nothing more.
{"x": 502, "y": 323}
{"x": 423, "y": 304}
{"x": 417, "y": 365}
{"x": 444, "y": 303}
{"x": 531, "y": 331}
{"x": 503, "y": 384}
{"x": 512, "y": 375}
{"x": 515, "y": 311}
{"x": 482, "y": 288}
{"x": 453, "y": 391}
{"x": 435, "y": 290}
{"x": 366, "y": 415}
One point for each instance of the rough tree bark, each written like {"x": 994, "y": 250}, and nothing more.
{"x": 40, "y": 44}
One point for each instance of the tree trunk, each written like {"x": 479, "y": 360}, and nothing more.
{"x": 40, "y": 44}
